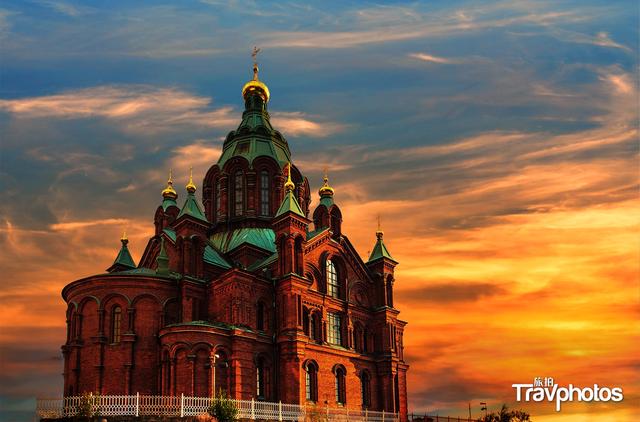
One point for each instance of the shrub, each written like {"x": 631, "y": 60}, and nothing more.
{"x": 223, "y": 408}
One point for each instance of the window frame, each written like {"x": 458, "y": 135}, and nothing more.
{"x": 116, "y": 324}
{"x": 265, "y": 194}
{"x": 334, "y": 332}
{"x": 332, "y": 279}
{"x": 238, "y": 193}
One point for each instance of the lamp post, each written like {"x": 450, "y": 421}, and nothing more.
{"x": 213, "y": 375}
{"x": 484, "y": 407}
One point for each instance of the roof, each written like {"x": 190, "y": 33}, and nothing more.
{"x": 171, "y": 233}
{"x": 213, "y": 257}
{"x": 311, "y": 235}
{"x": 258, "y": 237}
{"x": 263, "y": 263}
{"x": 380, "y": 251}
{"x": 289, "y": 204}
{"x": 255, "y": 137}
{"x": 168, "y": 202}
{"x": 192, "y": 208}
{"x": 124, "y": 258}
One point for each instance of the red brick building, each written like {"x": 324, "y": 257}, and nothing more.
{"x": 254, "y": 293}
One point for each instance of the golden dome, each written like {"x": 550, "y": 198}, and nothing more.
{"x": 325, "y": 190}
{"x": 191, "y": 187}
{"x": 258, "y": 87}
{"x": 169, "y": 192}
{"x": 289, "y": 185}
{"x": 255, "y": 85}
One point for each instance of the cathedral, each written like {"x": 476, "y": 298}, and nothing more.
{"x": 252, "y": 291}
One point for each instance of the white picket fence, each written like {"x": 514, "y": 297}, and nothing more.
{"x": 139, "y": 405}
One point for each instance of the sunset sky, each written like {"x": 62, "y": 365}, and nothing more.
{"x": 498, "y": 141}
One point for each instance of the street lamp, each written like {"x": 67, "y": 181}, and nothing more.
{"x": 213, "y": 375}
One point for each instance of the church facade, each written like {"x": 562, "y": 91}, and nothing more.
{"x": 251, "y": 292}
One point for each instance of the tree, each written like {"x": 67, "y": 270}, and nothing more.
{"x": 506, "y": 415}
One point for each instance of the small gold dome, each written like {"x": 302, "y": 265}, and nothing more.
{"x": 191, "y": 187}
{"x": 325, "y": 190}
{"x": 289, "y": 185}
{"x": 169, "y": 192}
{"x": 258, "y": 87}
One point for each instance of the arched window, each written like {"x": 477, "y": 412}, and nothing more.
{"x": 217, "y": 210}
{"x": 260, "y": 391}
{"x": 365, "y": 384}
{"x": 264, "y": 193}
{"x": 333, "y": 287}
{"x": 311, "y": 381}
{"x": 116, "y": 320}
{"x": 238, "y": 194}
{"x": 260, "y": 316}
{"x": 341, "y": 396}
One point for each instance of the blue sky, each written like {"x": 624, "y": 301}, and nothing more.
{"x": 452, "y": 119}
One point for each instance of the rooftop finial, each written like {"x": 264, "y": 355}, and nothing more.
{"x": 124, "y": 239}
{"x": 289, "y": 185}
{"x": 379, "y": 232}
{"x": 191, "y": 187}
{"x": 325, "y": 190}
{"x": 255, "y": 86}
{"x": 169, "y": 192}
{"x": 254, "y": 54}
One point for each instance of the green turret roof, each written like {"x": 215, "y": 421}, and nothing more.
{"x": 380, "y": 250}
{"x": 192, "y": 208}
{"x": 123, "y": 261}
{"x": 289, "y": 204}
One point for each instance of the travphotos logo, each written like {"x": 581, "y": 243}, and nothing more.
{"x": 546, "y": 389}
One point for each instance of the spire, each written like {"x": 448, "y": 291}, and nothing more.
{"x": 169, "y": 194}
{"x": 191, "y": 206}
{"x": 191, "y": 187}
{"x": 379, "y": 249}
{"x": 123, "y": 261}
{"x": 289, "y": 185}
{"x": 326, "y": 191}
{"x": 254, "y": 85}
{"x": 289, "y": 203}
{"x": 162, "y": 260}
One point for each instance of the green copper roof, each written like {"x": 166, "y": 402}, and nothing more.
{"x": 167, "y": 202}
{"x": 171, "y": 233}
{"x": 228, "y": 241}
{"x": 327, "y": 201}
{"x": 263, "y": 263}
{"x": 192, "y": 208}
{"x": 124, "y": 257}
{"x": 311, "y": 235}
{"x": 380, "y": 251}
{"x": 255, "y": 137}
{"x": 213, "y": 257}
{"x": 289, "y": 203}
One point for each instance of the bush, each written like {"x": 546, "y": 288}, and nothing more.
{"x": 223, "y": 408}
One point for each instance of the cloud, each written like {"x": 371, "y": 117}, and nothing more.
{"x": 455, "y": 291}
{"x": 63, "y": 7}
{"x": 433, "y": 59}
{"x": 298, "y": 124}
{"x": 74, "y": 225}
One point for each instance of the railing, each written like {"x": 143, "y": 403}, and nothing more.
{"x": 139, "y": 405}
{"x": 427, "y": 418}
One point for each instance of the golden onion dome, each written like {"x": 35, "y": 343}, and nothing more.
{"x": 255, "y": 85}
{"x": 258, "y": 87}
{"x": 191, "y": 187}
{"x": 325, "y": 189}
{"x": 289, "y": 185}
{"x": 169, "y": 192}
